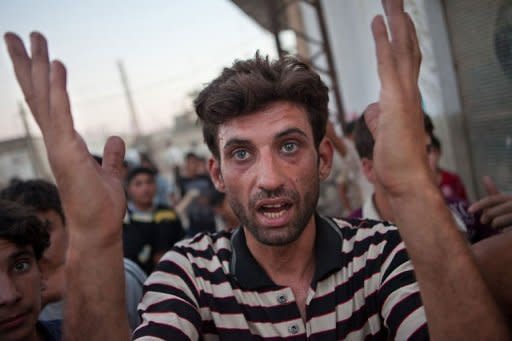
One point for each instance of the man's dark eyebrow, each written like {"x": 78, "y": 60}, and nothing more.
{"x": 236, "y": 142}
{"x": 245, "y": 142}
{"x": 291, "y": 131}
{"x": 21, "y": 253}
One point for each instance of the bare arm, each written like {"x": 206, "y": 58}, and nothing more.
{"x": 457, "y": 303}
{"x": 92, "y": 197}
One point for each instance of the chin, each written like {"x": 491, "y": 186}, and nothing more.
{"x": 283, "y": 237}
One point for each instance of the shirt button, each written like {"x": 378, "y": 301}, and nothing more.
{"x": 282, "y": 299}
{"x": 293, "y": 329}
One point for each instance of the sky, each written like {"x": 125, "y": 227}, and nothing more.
{"x": 169, "y": 48}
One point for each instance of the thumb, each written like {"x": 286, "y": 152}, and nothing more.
{"x": 113, "y": 157}
{"x": 371, "y": 117}
{"x": 490, "y": 186}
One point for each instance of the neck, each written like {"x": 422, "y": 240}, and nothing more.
{"x": 289, "y": 263}
{"x": 381, "y": 204}
{"x": 143, "y": 206}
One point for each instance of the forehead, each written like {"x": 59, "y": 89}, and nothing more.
{"x": 265, "y": 123}
{"x": 8, "y": 250}
{"x": 141, "y": 177}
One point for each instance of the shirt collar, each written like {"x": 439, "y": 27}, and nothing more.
{"x": 250, "y": 275}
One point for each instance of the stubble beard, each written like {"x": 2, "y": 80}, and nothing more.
{"x": 304, "y": 210}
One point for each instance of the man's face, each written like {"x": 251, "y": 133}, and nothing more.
{"x": 270, "y": 171}
{"x": 142, "y": 189}
{"x": 55, "y": 255}
{"x": 20, "y": 292}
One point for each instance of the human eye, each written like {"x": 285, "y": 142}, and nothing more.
{"x": 22, "y": 266}
{"x": 289, "y": 147}
{"x": 240, "y": 154}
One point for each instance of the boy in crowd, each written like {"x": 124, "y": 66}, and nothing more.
{"x": 149, "y": 229}
{"x": 43, "y": 197}
{"x": 23, "y": 239}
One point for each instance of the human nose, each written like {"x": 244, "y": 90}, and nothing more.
{"x": 270, "y": 175}
{"x": 9, "y": 293}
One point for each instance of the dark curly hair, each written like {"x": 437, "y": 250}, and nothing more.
{"x": 20, "y": 226}
{"x": 38, "y": 194}
{"x": 250, "y": 85}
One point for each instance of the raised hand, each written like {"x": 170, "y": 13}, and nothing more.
{"x": 443, "y": 264}
{"x": 92, "y": 196}
{"x": 399, "y": 154}
{"x": 496, "y": 207}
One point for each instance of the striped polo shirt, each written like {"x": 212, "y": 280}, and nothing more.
{"x": 211, "y": 287}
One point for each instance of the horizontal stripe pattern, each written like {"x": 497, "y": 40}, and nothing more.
{"x": 373, "y": 295}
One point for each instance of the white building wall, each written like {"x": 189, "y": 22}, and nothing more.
{"x": 348, "y": 24}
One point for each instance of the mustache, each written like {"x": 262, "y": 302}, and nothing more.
{"x": 276, "y": 193}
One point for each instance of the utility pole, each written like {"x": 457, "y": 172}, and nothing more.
{"x": 131, "y": 106}
{"x": 32, "y": 152}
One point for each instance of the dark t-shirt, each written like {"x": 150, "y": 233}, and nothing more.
{"x": 146, "y": 234}
{"x": 200, "y": 213}
{"x": 50, "y": 330}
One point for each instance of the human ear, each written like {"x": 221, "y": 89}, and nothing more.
{"x": 325, "y": 155}
{"x": 367, "y": 166}
{"x": 216, "y": 174}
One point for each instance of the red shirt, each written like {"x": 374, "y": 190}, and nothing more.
{"x": 451, "y": 186}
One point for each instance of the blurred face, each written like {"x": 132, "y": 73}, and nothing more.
{"x": 142, "y": 189}
{"x": 55, "y": 256}
{"x": 270, "y": 171}
{"x": 433, "y": 158}
{"x": 20, "y": 292}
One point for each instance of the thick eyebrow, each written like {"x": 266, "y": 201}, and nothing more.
{"x": 236, "y": 142}
{"x": 244, "y": 142}
{"x": 291, "y": 131}
{"x": 20, "y": 253}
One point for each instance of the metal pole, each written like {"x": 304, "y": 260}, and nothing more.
{"x": 330, "y": 61}
{"x": 274, "y": 15}
{"x": 34, "y": 156}
{"x": 129, "y": 99}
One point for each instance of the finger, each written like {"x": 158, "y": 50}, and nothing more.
{"x": 371, "y": 117}
{"x": 488, "y": 202}
{"x": 498, "y": 210}
{"x": 60, "y": 120}
{"x": 22, "y": 66}
{"x": 502, "y": 222}
{"x": 113, "y": 157}
{"x": 40, "y": 75}
{"x": 403, "y": 44}
{"x": 490, "y": 186}
{"x": 415, "y": 45}
{"x": 386, "y": 63}
{"x": 390, "y": 5}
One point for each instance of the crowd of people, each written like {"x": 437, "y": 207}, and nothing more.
{"x": 287, "y": 231}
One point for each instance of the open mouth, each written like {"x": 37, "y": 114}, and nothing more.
{"x": 274, "y": 210}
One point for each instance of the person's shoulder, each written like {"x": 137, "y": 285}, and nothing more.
{"x": 448, "y": 176}
{"x": 203, "y": 251}
{"x": 133, "y": 272}
{"x": 50, "y": 330}
{"x": 205, "y": 243}
{"x": 365, "y": 234}
{"x": 164, "y": 213}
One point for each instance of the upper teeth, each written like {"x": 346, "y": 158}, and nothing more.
{"x": 273, "y": 206}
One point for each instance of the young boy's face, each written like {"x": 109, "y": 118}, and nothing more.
{"x": 20, "y": 292}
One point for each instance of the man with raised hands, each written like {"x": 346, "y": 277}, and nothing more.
{"x": 287, "y": 272}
